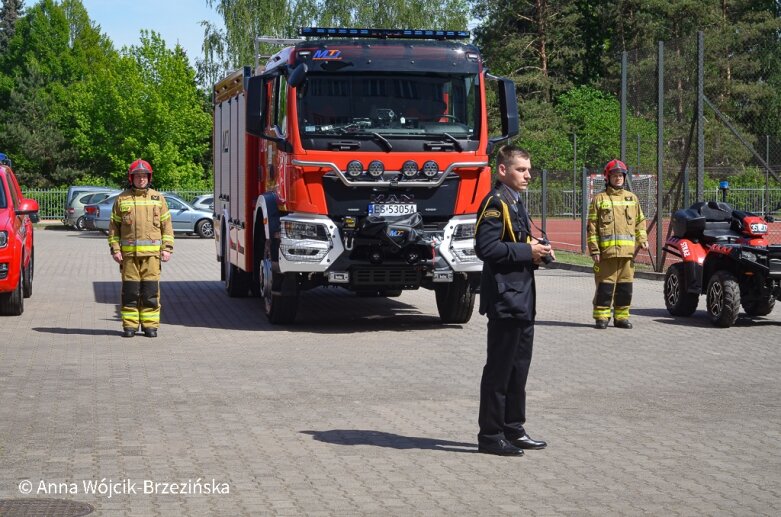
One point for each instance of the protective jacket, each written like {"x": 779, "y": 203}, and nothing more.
{"x": 616, "y": 224}
{"x": 140, "y": 224}
{"x": 502, "y": 239}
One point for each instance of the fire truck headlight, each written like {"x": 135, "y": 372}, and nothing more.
{"x": 354, "y": 169}
{"x": 296, "y": 230}
{"x": 409, "y": 169}
{"x": 304, "y": 241}
{"x": 376, "y": 169}
{"x": 464, "y": 232}
{"x": 430, "y": 169}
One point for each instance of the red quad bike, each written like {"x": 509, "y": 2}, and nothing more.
{"x": 724, "y": 254}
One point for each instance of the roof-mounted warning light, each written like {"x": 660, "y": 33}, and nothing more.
{"x": 333, "y": 32}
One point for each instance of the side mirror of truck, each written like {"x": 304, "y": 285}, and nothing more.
{"x": 508, "y": 107}
{"x": 297, "y": 76}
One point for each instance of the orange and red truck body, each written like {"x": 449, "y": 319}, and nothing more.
{"x": 355, "y": 158}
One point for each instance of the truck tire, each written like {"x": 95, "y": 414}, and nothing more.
{"x": 760, "y": 307}
{"x": 678, "y": 300}
{"x": 12, "y": 304}
{"x": 280, "y": 308}
{"x": 455, "y": 300}
{"x": 29, "y": 271}
{"x": 723, "y": 299}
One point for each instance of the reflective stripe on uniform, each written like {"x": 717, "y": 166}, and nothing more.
{"x": 126, "y": 204}
{"x": 608, "y": 204}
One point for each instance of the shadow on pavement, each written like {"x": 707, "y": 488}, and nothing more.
{"x": 204, "y": 304}
{"x": 85, "y": 332}
{"x": 699, "y": 319}
{"x": 549, "y": 323}
{"x": 393, "y": 441}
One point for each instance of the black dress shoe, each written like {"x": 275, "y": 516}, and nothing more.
{"x": 500, "y": 448}
{"x": 150, "y": 332}
{"x": 526, "y": 442}
{"x": 600, "y": 324}
{"x": 622, "y": 324}
{"x": 128, "y": 332}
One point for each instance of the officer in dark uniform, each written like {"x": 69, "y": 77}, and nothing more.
{"x": 510, "y": 254}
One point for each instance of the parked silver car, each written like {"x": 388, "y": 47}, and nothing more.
{"x": 204, "y": 202}
{"x": 184, "y": 217}
{"x": 74, "y": 213}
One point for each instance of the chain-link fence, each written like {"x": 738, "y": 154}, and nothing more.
{"x": 51, "y": 202}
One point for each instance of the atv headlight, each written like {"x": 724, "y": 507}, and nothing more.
{"x": 747, "y": 255}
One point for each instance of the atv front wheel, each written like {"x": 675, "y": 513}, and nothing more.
{"x": 760, "y": 307}
{"x": 678, "y": 300}
{"x": 723, "y": 299}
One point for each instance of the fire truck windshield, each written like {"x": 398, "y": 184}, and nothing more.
{"x": 408, "y": 107}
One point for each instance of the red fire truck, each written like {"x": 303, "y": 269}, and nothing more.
{"x": 356, "y": 158}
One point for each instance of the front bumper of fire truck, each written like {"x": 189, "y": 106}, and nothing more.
{"x": 314, "y": 244}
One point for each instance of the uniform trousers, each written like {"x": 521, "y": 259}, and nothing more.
{"x": 614, "y": 277}
{"x": 140, "y": 292}
{"x": 503, "y": 386}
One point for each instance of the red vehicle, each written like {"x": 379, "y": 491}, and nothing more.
{"x": 724, "y": 254}
{"x": 16, "y": 243}
{"x": 356, "y": 158}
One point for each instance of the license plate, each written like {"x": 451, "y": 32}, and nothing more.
{"x": 382, "y": 209}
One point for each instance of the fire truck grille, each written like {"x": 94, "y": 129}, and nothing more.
{"x": 400, "y": 277}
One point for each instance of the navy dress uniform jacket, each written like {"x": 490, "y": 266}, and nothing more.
{"x": 502, "y": 238}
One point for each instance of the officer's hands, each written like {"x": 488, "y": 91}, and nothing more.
{"x": 539, "y": 251}
{"x": 644, "y": 245}
{"x": 165, "y": 255}
{"x": 117, "y": 257}
{"x": 595, "y": 258}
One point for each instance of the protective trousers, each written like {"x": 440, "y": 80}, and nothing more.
{"x": 613, "y": 277}
{"x": 140, "y": 292}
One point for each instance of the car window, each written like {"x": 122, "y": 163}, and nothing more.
{"x": 209, "y": 200}
{"x": 173, "y": 204}
{"x": 3, "y": 200}
{"x": 12, "y": 186}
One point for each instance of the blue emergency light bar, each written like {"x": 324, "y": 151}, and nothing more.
{"x": 331, "y": 32}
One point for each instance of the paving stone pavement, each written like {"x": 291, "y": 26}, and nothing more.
{"x": 369, "y": 406}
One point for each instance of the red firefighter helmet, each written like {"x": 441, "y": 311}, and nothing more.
{"x": 139, "y": 167}
{"x": 614, "y": 165}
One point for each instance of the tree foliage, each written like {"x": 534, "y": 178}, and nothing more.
{"x": 75, "y": 110}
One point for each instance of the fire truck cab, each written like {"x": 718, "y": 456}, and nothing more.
{"x": 356, "y": 158}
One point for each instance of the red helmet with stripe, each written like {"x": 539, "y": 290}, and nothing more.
{"x": 614, "y": 165}
{"x": 139, "y": 167}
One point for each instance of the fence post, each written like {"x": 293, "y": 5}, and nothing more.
{"x": 659, "y": 153}
{"x": 623, "y": 106}
{"x": 574, "y": 175}
{"x": 584, "y": 211}
{"x": 700, "y": 118}
{"x": 544, "y": 216}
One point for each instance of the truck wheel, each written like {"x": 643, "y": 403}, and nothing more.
{"x": 27, "y": 286}
{"x": 760, "y": 307}
{"x": 678, "y": 300}
{"x": 455, "y": 301}
{"x": 723, "y": 299}
{"x": 205, "y": 229}
{"x": 12, "y": 304}
{"x": 280, "y": 309}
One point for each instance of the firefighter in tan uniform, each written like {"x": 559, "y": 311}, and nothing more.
{"x": 140, "y": 236}
{"x": 616, "y": 225}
